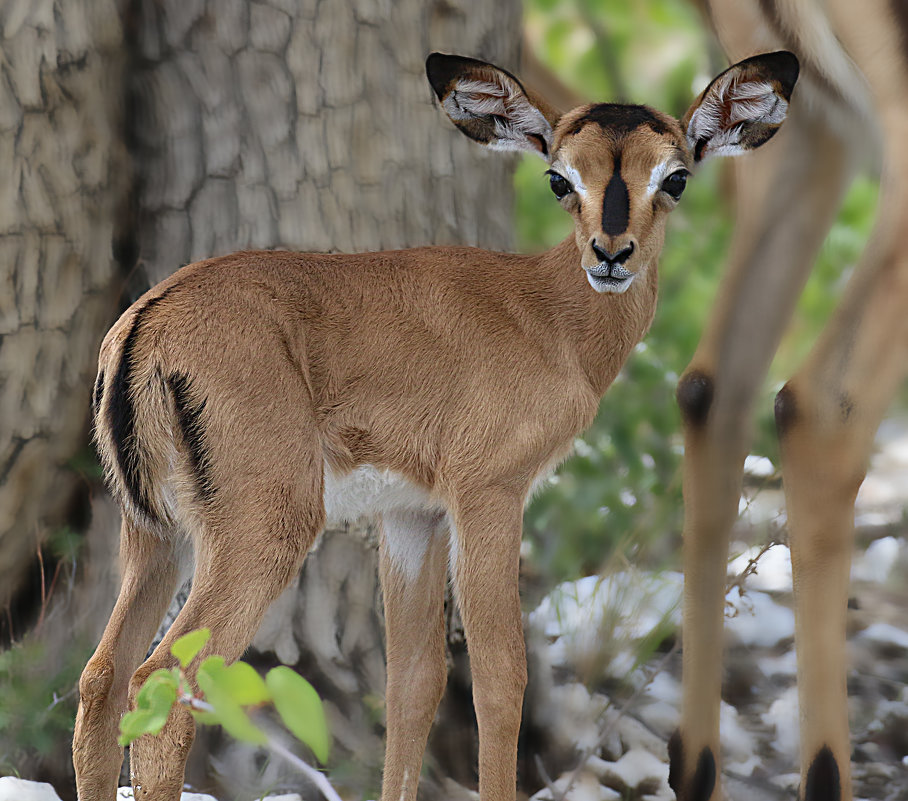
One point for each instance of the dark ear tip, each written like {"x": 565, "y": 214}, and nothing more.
{"x": 442, "y": 69}
{"x": 785, "y": 68}
{"x": 438, "y": 72}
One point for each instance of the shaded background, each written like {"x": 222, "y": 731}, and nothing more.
{"x": 139, "y": 135}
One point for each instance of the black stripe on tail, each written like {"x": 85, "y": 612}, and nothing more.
{"x": 121, "y": 417}
{"x": 189, "y": 415}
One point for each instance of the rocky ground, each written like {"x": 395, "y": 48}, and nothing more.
{"x": 624, "y": 741}
{"x": 606, "y": 692}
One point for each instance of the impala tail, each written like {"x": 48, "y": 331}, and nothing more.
{"x": 140, "y": 408}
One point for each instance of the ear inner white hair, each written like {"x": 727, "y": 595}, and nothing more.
{"x": 728, "y": 106}
{"x": 515, "y": 118}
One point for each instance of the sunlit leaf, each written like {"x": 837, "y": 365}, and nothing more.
{"x": 240, "y": 680}
{"x": 187, "y": 647}
{"x": 227, "y": 712}
{"x": 153, "y": 704}
{"x": 301, "y": 709}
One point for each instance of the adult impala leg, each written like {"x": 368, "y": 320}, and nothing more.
{"x": 827, "y": 416}
{"x": 488, "y": 529}
{"x": 783, "y": 191}
{"x": 149, "y": 574}
{"x": 413, "y": 563}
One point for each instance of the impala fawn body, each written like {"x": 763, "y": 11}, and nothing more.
{"x": 245, "y": 399}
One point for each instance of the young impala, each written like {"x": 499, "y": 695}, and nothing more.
{"x": 247, "y": 399}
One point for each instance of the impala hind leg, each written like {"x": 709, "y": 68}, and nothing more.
{"x": 488, "y": 530}
{"x": 827, "y": 416}
{"x": 414, "y": 559}
{"x": 149, "y": 573}
{"x": 245, "y": 557}
{"x": 783, "y": 191}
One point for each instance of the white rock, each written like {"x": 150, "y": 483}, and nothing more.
{"x": 661, "y": 716}
{"x": 737, "y": 742}
{"x": 758, "y": 466}
{"x": 13, "y": 789}
{"x": 885, "y": 634}
{"x": 759, "y": 620}
{"x": 578, "y": 719}
{"x": 787, "y": 781}
{"x": 636, "y": 767}
{"x": 585, "y": 788}
{"x": 783, "y": 715}
{"x": 876, "y": 563}
{"x": 784, "y": 665}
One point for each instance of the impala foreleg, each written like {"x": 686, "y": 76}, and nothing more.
{"x": 414, "y": 568}
{"x": 488, "y": 529}
{"x": 800, "y": 175}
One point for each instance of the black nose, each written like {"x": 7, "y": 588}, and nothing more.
{"x": 613, "y": 258}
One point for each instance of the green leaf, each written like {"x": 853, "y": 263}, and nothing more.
{"x": 240, "y": 681}
{"x": 301, "y": 709}
{"x": 153, "y": 704}
{"x": 227, "y": 712}
{"x": 187, "y": 647}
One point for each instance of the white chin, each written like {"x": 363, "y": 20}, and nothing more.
{"x": 613, "y": 285}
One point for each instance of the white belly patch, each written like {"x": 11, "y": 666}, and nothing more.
{"x": 410, "y": 513}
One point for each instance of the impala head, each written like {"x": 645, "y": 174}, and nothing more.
{"x": 617, "y": 169}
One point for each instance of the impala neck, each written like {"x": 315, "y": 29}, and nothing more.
{"x": 597, "y": 330}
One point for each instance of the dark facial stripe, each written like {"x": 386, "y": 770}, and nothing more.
{"x": 121, "y": 417}
{"x": 616, "y": 206}
{"x": 189, "y": 416}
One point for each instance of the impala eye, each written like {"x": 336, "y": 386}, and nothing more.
{"x": 675, "y": 183}
{"x": 559, "y": 184}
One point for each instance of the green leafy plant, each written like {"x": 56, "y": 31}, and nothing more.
{"x": 226, "y": 697}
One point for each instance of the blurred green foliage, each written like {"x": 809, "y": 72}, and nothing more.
{"x": 622, "y": 488}
{"x": 38, "y": 700}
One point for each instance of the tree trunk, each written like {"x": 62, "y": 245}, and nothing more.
{"x": 63, "y": 184}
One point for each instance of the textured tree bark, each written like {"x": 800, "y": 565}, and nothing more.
{"x": 62, "y": 187}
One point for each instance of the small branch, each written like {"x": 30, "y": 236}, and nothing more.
{"x": 544, "y": 775}
{"x": 750, "y": 568}
{"x": 273, "y": 745}
{"x": 188, "y": 699}
{"x": 315, "y": 776}
{"x": 43, "y": 589}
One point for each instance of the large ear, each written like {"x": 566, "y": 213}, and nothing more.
{"x": 490, "y": 105}
{"x": 743, "y": 107}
